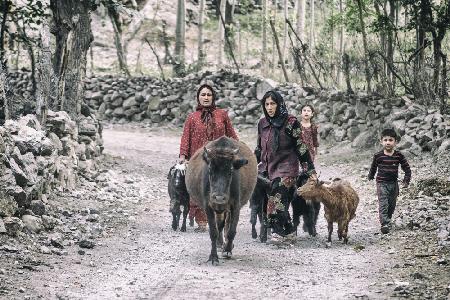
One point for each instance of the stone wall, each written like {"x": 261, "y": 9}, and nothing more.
{"x": 36, "y": 161}
{"x": 355, "y": 118}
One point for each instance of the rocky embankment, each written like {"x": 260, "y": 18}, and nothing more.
{"x": 37, "y": 161}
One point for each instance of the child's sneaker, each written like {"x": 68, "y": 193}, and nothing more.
{"x": 385, "y": 229}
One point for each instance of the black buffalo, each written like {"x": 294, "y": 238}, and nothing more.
{"x": 220, "y": 178}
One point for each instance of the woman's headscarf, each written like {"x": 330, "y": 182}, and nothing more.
{"x": 207, "y": 112}
{"x": 280, "y": 117}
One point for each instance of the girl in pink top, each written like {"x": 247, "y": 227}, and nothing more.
{"x": 309, "y": 130}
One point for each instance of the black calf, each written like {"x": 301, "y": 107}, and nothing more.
{"x": 178, "y": 197}
{"x": 308, "y": 209}
{"x": 258, "y": 206}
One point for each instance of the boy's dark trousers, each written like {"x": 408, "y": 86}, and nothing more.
{"x": 387, "y": 199}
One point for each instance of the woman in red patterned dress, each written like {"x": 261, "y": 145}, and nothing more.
{"x": 207, "y": 123}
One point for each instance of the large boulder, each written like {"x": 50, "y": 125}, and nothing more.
{"x": 263, "y": 86}
{"x": 367, "y": 139}
{"x": 32, "y": 223}
{"x": 2, "y": 226}
{"x": 13, "y": 225}
{"x": 87, "y": 126}
{"x": 8, "y": 206}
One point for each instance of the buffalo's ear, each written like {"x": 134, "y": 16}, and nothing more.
{"x": 239, "y": 163}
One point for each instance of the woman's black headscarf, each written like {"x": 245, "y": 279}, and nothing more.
{"x": 280, "y": 117}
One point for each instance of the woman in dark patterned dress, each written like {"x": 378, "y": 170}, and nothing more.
{"x": 279, "y": 150}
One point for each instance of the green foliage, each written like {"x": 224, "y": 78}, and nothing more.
{"x": 31, "y": 13}
{"x": 251, "y": 23}
{"x": 351, "y": 19}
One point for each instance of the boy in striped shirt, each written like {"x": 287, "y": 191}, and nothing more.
{"x": 387, "y": 162}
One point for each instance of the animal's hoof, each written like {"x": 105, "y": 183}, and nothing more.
{"x": 219, "y": 245}
{"x": 345, "y": 240}
{"x": 191, "y": 222}
{"x": 183, "y": 229}
{"x": 227, "y": 254}
{"x": 228, "y": 247}
{"x": 174, "y": 227}
{"x": 254, "y": 233}
{"x": 214, "y": 260}
{"x": 328, "y": 245}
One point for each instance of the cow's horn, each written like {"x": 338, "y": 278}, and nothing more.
{"x": 236, "y": 151}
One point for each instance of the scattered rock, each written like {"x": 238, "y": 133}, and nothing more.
{"x": 88, "y": 244}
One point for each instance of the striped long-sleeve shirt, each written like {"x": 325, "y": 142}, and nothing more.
{"x": 388, "y": 167}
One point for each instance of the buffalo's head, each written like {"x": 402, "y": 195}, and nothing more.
{"x": 222, "y": 163}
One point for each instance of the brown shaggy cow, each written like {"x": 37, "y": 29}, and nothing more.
{"x": 339, "y": 199}
{"x": 220, "y": 178}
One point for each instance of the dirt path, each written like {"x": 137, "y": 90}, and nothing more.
{"x": 142, "y": 258}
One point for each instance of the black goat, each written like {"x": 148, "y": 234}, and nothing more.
{"x": 258, "y": 205}
{"x": 308, "y": 209}
{"x": 178, "y": 196}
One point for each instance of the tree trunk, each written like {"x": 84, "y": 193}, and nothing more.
{"x": 341, "y": 44}
{"x": 274, "y": 32}
{"x": 285, "y": 37}
{"x": 301, "y": 19}
{"x": 180, "y": 33}
{"x": 390, "y": 43}
{"x": 72, "y": 28}
{"x": 239, "y": 40}
{"x": 4, "y": 95}
{"x": 117, "y": 28}
{"x": 228, "y": 14}
{"x": 201, "y": 55}
{"x": 311, "y": 26}
{"x": 221, "y": 37}
{"x": 264, "y": 36}
{"x": 45, "y": 75}
{"x": 443, "y": 94}
{"x": 5, "y": 10}
{"x": 138, "y": 67}
{"x": 168, "y": 59}
{"x": 31, "y": 55}
{"x": 274, "y": 49}
{"x": 91, "y": 54}
{"x": 346, "y": 67}
{"x": 364, "y": 35}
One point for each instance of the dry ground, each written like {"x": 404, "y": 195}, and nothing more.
{"x": 138, "y": 256}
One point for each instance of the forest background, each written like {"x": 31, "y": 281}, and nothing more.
{"x": 388, "y": 47}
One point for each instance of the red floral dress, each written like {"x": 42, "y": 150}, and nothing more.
{"x": 195, "y": 137}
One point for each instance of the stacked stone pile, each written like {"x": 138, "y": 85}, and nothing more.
{"x": 35, "y": 161}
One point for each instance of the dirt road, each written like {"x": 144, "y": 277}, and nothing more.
{"x": 139, "y": 256}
